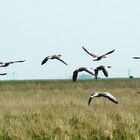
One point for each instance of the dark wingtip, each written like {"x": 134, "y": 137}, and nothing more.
{"x": 74, "y": 79}
{"x": 75, "y": 74}
{"x": 83, "y": 47}
{"x": 42, "y": 63}
{"x": 22, "y": 61}
{"x": 117, "y": 102}
{"x": 3, "y": 74}
{"x": 89, "y": 101}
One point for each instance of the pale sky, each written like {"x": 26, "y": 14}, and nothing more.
{"x": 34, "y": 29}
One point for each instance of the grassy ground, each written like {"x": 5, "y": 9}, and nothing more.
{"x": 58, "y": 110}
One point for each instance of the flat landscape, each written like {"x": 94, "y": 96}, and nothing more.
{"x": 59, "y": 110}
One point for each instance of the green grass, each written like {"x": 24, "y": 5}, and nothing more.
{"x": 58, "y": 110}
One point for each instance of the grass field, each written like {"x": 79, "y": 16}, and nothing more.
{"x": 58, "y": 110}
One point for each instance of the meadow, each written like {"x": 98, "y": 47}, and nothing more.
{"x": 58, "y": 110}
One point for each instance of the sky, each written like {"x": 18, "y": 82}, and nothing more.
{"x": 33, "y": 29}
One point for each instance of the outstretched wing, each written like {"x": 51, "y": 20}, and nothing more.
{"x": 96, "y": 73}
{"x": 11, "y": 62}
{"x": 104, "y": 71}
{"x": 45, "y": 60}
{"x": 3, "y": 73}
{"x": 90, "y": 98}
{"x": 58, "y": 58}
{"x": 93, "y": 55}
{"x": 90, "y": 72}
{"x": 136, "y": 57}
{"x": 108, "y": 53}
{"x": 75, "y": 74}
{"x": 110, "y": 97}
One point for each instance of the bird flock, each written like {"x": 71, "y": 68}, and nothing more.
{"x": 91, "y": 71}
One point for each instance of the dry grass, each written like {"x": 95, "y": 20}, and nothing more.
{"x": 58, "y": 110}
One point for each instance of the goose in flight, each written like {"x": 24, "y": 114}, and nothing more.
{"x": 102, "y": 94}
{"x": 58, "y": 57}
{"x": 75, "y": 73}
{"x": 136, "y": 57}
{"x": 102, "y": 68}
{"x": 6, "y": 64}
{"x": 97, "y": 57}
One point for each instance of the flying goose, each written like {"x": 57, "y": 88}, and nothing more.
{"x": 98, "y": 57}
{"x": 103, "y": 68}
{"x": 102, "y": 94}
{"x": 136, "y": 57}
{"x": 6, "y": 64}
{"x": 75, "y": 73}
{"x": 58, "y": 57}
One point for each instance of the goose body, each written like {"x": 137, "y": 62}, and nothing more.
{"x": 97, "y": 57}
{"x": 6, "y": 64}
{"x": 80, "y": 69}
{"x": 58, "y": 57}
{"x": 102, "y": 94}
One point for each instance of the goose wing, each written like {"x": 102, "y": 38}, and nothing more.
{"x": 93, "y": 55}
{"x": 96, "y": 73}
{"x": 104, "y": 71}
{"x": 91, "y": 96}
{"x": 58, "y": 58}
{"x": 3, "y": 73}
{"x": 45, "y": 60}
{"x": 107, "y": 53}
{"x": 75, "y": 74}
{"x": 11, "y": 62}
{"x": 136, "y": 57}
{"x": 88, "y": 71}
{"x": 110, "y": 97}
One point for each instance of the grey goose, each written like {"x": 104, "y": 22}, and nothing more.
{"x": 97, "y": 57}
{"x": 51, "y": 57}
{"x": 103, "y": 94}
